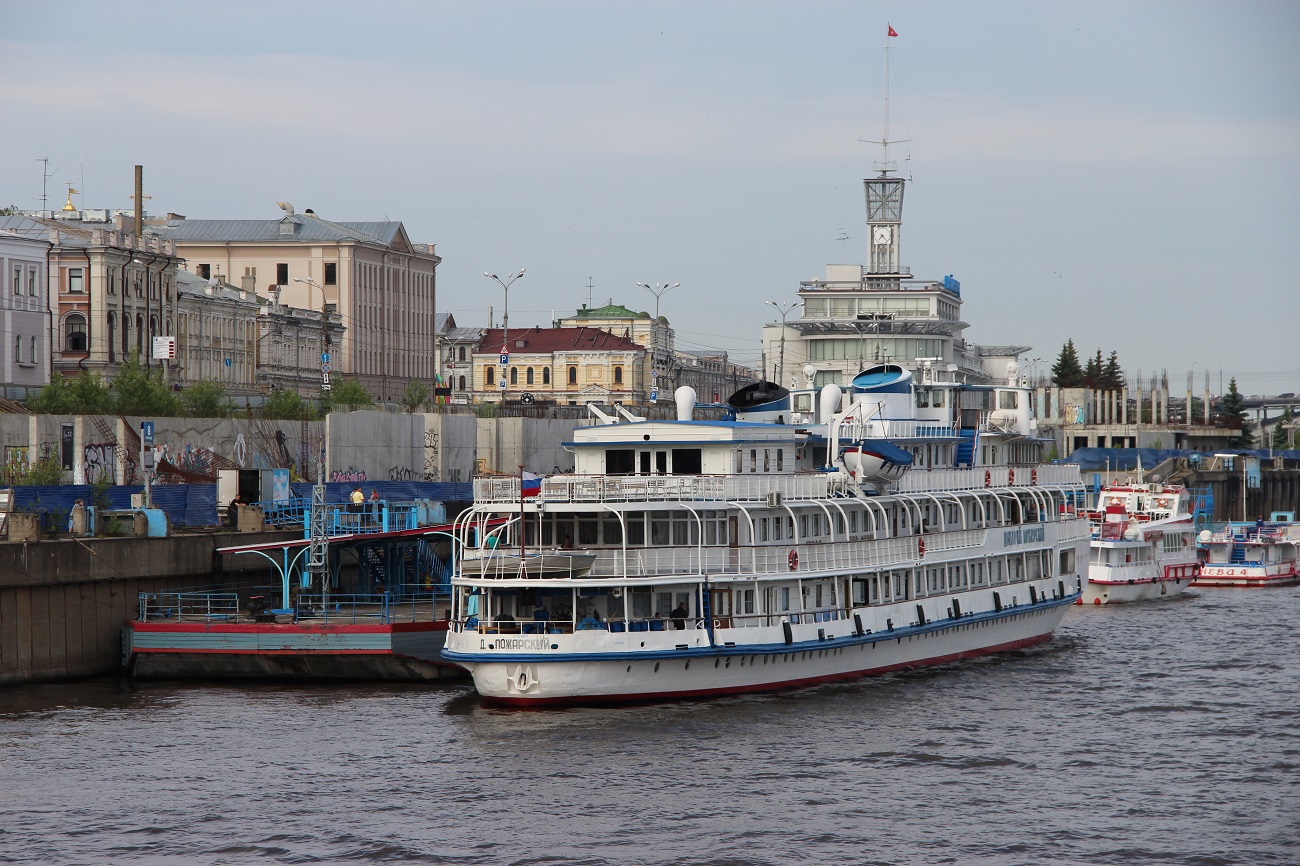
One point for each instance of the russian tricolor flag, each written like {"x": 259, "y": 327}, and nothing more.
{"x": 532, "y": 484}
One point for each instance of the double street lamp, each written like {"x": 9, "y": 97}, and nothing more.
{"x": 324, "y": 326}
{"x": 505, "y": 284}
{"x": 784, "y": 310}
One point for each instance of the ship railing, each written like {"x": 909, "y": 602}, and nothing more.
{"x": 912, "y": 430}
{"x": 194, "y": 606}
{"x": 376, "y": 607}
{"x": 656, "y": 488}
{"x": 979, "y": 477}
{"x": 285, "y": 512}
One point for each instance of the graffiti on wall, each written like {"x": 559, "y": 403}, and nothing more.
{"x": 348, "y": 475}
{"x": 15, "y": 462}
{"x": 100, "y": 462}
{"x": 431, "y": 468}
{"x": 403, "y": 473}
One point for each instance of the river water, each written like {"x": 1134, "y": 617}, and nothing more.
{"x": 1151, "y": 733}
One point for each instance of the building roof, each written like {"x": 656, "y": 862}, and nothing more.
{"x": 464, "y": 335}
{"x": 609, "y": 311}
{"x": 307, "y": 228}
{"x": 192, "y": 284}
{"x": 538, "y": 339}
{"x": 443, "y": 323}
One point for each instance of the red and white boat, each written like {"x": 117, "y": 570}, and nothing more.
{"x": 1143, "y": 544}
{"x": 1255, "y": 554}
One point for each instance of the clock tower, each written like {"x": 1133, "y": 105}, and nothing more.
{"x": 884, "y": 219}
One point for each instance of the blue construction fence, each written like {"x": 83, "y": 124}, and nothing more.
{"x": 1126, "y": 459}
{"x": 196, "y": 505}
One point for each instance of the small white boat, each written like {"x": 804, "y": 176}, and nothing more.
{"x": 1252, "y": 554}
{"x": 1143, "y": 544}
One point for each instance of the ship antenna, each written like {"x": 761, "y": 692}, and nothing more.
{"x": 885, "y": 166}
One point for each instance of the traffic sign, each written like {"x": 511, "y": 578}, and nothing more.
{"x": 146, "y": 432}
{"x": 503, "y": 384}
{"x": 228, "y": 363}
{"x": 324, "y": 357}
{"x": 324, "y": 368}
{"x": 654, "y": 393}
{"x": 505, "y": 358}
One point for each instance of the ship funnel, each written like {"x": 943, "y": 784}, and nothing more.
{"x": 685, "y": 397}
{"x": 828, "y": 403}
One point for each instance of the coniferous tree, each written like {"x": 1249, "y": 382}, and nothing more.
{"x": 1281, "y": 438}
{"x": 1066, "y": 372}
{"x": 1092, "y": 372}
{"x": 1233, "y": 415}
{"x": 1112, "y": 375}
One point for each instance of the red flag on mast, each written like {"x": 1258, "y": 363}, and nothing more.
{"x": 892, "y": 31}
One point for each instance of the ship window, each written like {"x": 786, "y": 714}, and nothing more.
{"x": 636, "y": 530}
{"x": 923, "y": 398}
{"x": 611, "y": 531}
{"x": 859, "y": 591}
{"x": 587, "y": 532}
{"x": 641, "y": 604}
{"x": 659, "y": 522}
{"x": 738, "y": 464}
{"x": 762, "y": 529}
{"x": 767, "y": 459}
{"x": 803, "y": 525}
{"x": 620, "y": 461}
{"x": 645, "y": 462}
{"x": 936, "y": 399}
{"x": 777, "y": 527}
{"x": 977, "y": 573}
{"x": 1007, "y": 400}
{"x": 661, "y": 462}
{"x": 687, "y": 461}
{"x": 663, "y": 603}
{"x": 753, "y": 459}
{"x": 745, "y": 601}
{"x": 817, "y": 596}
{"x": 780, "y": 460}
{"x": 956, "y": 576}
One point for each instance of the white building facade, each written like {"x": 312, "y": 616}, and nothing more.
{"x": 25, "y": 314}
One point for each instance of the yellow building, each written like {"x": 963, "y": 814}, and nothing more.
{"x": 562, "y": 365}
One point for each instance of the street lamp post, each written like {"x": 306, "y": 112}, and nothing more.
{"x": 505, "y": 335}
{"x": 324, "y": 328}
{"x": 505, "y": 284}
{"x": 784, "y": 310}
{"x": 658, "y": 353}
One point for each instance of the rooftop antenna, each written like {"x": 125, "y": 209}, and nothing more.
{"x": 46, "y": 174}
{"x": 590, "y": 286}
{"x": 844, "y": 235}
{"x": 885, "y": 166}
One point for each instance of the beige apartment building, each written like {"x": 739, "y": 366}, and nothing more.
{"x": 380, "y": 283}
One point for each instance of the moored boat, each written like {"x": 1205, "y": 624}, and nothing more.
{"x": 1143, "y": 543}
{"x": 743, "y": 555}
{"x": 1259, "y": 554}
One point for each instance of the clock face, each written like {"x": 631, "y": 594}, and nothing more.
{"x": 882, "y": 235}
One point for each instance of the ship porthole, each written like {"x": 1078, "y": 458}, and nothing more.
{"x": 716, "y": 662}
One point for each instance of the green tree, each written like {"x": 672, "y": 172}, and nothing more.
{"x": 1281, "y": 438}
{"x": 417, "y": 394}
{"x": 138, "y": 391}
{"x": 84, "y": 395}
{"x": 46, "y": 471}
{"x": 206, "y": 399}
{"x": 348, "y": 394}
{"x": 1092, "y": 371}
{"x": 55, "y": 398}
{"x": 1233, "y": 415}
{"x": 1066, "y": 372}
{"x": 1112, "y": 375}
{"x": 287, "y": 404}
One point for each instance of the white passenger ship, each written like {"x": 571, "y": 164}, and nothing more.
{"x": 816, "y": 536}
{"x": 1143, "y": 543}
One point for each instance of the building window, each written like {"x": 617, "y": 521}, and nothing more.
{"x": 204, "y": 271}
{"x": 487, "y": 374}
{"x": 18, "y": 281}
{"x": 76, "y": 280}
{"x": 618, "y": 375}
{"x": 282, "y": 274}
{"x": 460, "y": 354}
{"x": 331, "y": 274}
{"x": 139, "y": 333}
{"x": 514, "y": 375}
{"x": 462, "y": 383}
{"x": 32, "y": 345}
{"x": 573, "y": 375}
{"x": 528, "y": 376}
{"x": 112, "y": 329}
{"x": 74, "y": 333}
{"x": 18, "y": 350}
{"x": 31, "y": 282}
{"x": 546, "y": 375}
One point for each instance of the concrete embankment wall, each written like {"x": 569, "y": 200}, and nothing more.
{"x": 63, "y": 603}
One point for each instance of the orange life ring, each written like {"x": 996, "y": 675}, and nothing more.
{"x": 920, "y": 548}
{"x": 793, "y": 559}
{"x": 1011, "y": 476}
{"x": 988, "y": 478}
{"x": 1033, "y": 476}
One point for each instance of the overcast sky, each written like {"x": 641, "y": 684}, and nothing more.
{"x": 1123, "y": 174}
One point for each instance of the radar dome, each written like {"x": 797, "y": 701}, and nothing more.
{"x": 1205, "y": 535}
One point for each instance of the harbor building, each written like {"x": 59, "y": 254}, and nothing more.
{"x": 655, "y": 335}
{"x": 860, "y": 315}
{"x": 380, "y": 282}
